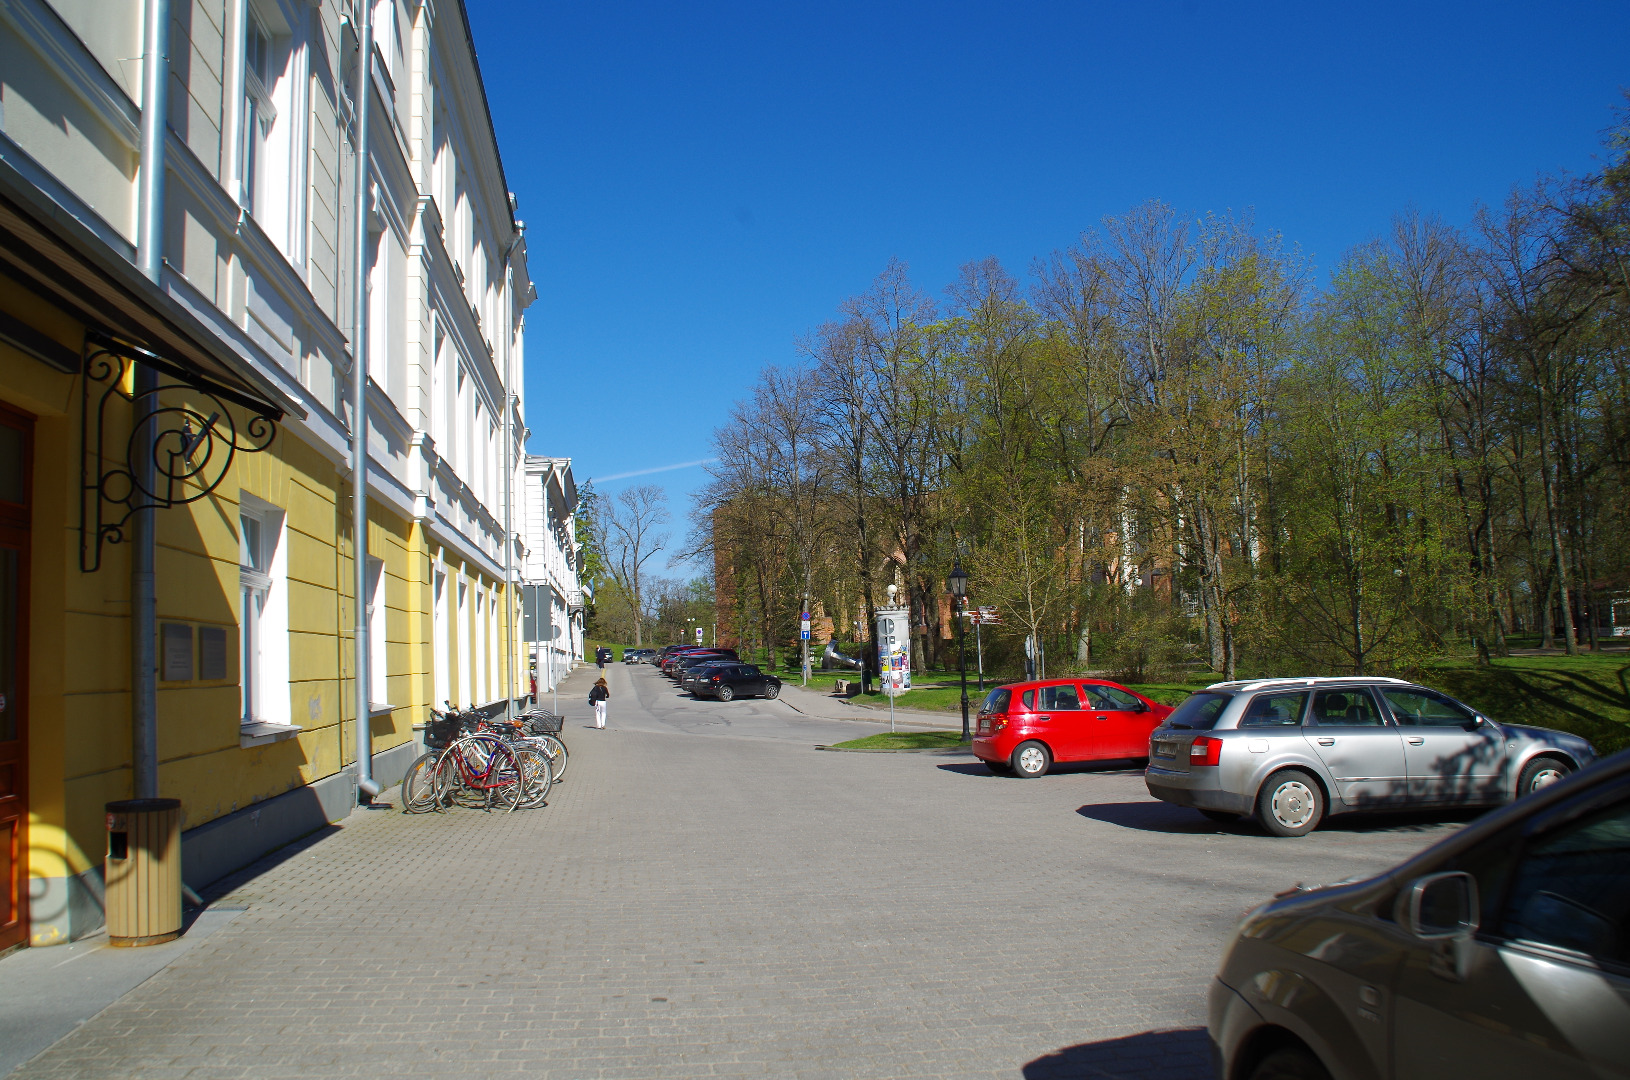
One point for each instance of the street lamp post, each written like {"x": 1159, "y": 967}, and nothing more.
{"x": 958, "y": 582}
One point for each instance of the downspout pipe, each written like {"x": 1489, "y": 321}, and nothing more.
{"x": 144, "y": 527}
{"x": 509, "y": 479}
{"x": 367, "y": 787}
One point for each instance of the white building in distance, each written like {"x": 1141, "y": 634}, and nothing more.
{"x": 553, "y": 625}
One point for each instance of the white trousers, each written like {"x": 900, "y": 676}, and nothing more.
{"x": 599, "y": 714}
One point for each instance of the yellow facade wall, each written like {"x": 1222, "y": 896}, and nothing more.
{"x": 79, "y": 694}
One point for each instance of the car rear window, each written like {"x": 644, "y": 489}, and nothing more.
{"x": 1199, "y": 712}
{"x": 996, "y": 701}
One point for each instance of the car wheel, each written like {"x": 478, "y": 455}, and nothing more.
{"x": 1541, "y": 772}
{"x": 1290, "y": 1063}
{"x": 1221, "y": 817}
{"x": 772, "y": 691}
{"x": 1290, "y": 803}
{"x": 725, "y": 693}
{"x": 1031, "y": 760}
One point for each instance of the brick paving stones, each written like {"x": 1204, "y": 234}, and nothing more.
{"x": 707, "y": 896}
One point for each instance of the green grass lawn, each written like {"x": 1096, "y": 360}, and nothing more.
{"x": 1588, "y": 695}
{"x": 905, "y": 740}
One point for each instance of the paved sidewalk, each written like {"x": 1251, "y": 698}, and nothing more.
{"x": 707, "y": 896}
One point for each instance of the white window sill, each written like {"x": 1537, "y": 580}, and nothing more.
{"x": 377, "y": 709}
{"x": 262, "y": 732}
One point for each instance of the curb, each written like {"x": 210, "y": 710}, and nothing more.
{"x": 905, "y": 717}
{"x": 947, "y": 750}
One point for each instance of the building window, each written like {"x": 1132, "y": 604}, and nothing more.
{"x": 263, "y": 619}
{"x": 259, "y": 114}
{"x": 466, "y": 693}
{"x": 271, "y": 131}
{"x": 480, "y": 645}
{"x": 442, "y": 677}
{"x": 377, "y": 673}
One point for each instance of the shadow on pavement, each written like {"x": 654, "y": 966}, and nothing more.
{"x": 1166, "y": 818}
{"x": 1154, "y": 817}
{"x": 1180, "y": 1054}
{"x": 1099, "y": 768}
{"x": 220, "y": 887}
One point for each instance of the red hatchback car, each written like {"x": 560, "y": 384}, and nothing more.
{"x": 1026, "y": 728}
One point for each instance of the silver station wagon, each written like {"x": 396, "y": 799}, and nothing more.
{"x": 1292, "y": 751}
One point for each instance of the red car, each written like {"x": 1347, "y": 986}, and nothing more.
{"x": 1026, "y": 728}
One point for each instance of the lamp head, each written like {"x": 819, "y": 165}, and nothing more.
{"x": 958, "y": 581}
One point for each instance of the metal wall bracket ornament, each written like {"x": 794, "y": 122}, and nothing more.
{"x": 192, "y": 439}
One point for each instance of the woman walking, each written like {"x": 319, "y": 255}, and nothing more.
{"x": 597, "y": 698}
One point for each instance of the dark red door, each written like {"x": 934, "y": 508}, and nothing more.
{"x": 16, "y": 460}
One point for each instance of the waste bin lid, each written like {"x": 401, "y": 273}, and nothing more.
{"x": 142, "y": 806}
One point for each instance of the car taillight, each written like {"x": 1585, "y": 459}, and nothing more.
{"x": 715, "y": 678}
{"x": 1205, "y": 751}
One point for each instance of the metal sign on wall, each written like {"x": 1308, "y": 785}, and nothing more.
{"x": 537, "y": 613}
{"x": 894, "y": 649}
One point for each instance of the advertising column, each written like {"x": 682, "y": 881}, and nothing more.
{"x": 894, "y": 647}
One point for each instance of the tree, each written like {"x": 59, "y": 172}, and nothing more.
{"x": 627, "y": 533}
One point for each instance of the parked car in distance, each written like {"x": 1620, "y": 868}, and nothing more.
{"x": 1026, "y": 728}
{"x": 732, "y": 680}
{"x": 1292, "y": 752}
{"x": 1502, "y": 951}
{"x": 638, "y": 656}
{"x": 673, "y": 656}
{"x": 679, "y": 665}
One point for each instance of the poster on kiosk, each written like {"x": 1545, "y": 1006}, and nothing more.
{"x": 894, "y": 648}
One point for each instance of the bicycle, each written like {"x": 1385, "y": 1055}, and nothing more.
{"x": 471, "y": 762}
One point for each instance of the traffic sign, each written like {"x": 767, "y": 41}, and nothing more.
{"x": 698, "y": 635}
{"x": 804, "y": 634}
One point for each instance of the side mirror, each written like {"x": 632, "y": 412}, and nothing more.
{"x": 1440, "y": 906}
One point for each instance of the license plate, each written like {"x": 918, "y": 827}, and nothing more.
{"x": 1164, "y": 749}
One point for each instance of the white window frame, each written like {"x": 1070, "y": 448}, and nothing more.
{"x": 268, "y": 135}
{"x": 480, "y": 684}
{"x": 263, "y": 620}
{"x": 466, "y": 694}
{"x": 442, "y": 676}
{"x": 377, "y": 611}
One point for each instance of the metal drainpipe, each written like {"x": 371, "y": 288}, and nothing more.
{"x": 367, "y": 788}
{"x": 144, "y": 530}
{"x": 509, "y": 477}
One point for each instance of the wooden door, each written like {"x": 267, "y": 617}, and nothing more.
{"x": 16, "y": 470}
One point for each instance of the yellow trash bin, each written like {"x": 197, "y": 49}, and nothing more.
{"x": 144, "y": 871}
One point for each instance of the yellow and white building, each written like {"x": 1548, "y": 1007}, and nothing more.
{"x": 248, "y": 330}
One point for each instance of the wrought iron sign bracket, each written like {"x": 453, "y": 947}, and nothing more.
{"x": 192, "y": 439}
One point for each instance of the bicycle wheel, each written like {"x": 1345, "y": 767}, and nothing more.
{"x": 459, "y": 780}
{"x": 419, "y": 785}
{"x": 555, "y": 750}
{"x": 504, "y": 782}
{"x": 537, "y": 777}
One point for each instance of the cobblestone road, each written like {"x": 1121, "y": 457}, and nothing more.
{"x": 706, "y": 895}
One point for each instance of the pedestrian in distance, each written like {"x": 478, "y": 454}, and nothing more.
{"x": 597, "y": 698}
{"x": 602, "y": 657}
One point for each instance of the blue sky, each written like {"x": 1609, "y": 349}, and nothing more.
{"x": 703, "y": 183}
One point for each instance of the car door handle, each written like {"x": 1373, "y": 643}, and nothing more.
{"x": 1327, "y": 742}
{"x": 1103, "y": 718}
{"x": 1416, "y": 740}
{"x": 1044, "y": 716}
